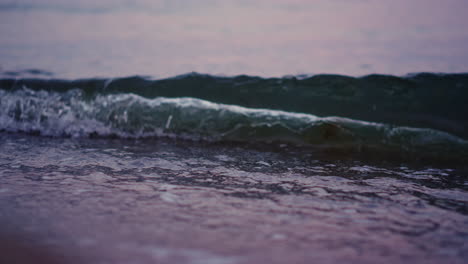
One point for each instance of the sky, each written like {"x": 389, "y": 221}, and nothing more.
{"x": 105, "y": 38}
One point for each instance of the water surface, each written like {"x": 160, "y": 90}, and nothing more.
{"x": 82, "y": 39}
{"x": 178, "y": 201}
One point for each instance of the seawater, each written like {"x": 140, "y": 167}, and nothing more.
{"x": 423, "y": 114}
{"x": 108, "y": 199}
{"x": 209, "y": 169}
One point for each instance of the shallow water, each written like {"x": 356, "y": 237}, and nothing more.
{"x": 141, "y": 201}
{"x": 99, "y": 166}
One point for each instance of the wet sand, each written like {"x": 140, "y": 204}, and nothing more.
{"x": 64, "y": 202}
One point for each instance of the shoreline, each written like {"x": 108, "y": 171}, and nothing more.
{"x": 110, "y": 201}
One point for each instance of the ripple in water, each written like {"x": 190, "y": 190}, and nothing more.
{"x": 242, "y": 204}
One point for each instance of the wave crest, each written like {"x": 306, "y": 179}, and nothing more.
{"x": 127, "y": 115}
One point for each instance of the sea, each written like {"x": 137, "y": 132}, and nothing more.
{"x": 227, "y": 166}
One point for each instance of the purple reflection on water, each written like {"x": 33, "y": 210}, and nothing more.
{"x": 269, "y": 38}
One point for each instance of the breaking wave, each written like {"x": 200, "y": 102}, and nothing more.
{"x": 399, "y": 115}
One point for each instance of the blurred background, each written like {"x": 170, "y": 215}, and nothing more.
{"x": 161, "y": 38}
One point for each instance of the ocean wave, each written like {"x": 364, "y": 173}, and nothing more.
{"x": 425, "y": 100}
{"x": 73, "y": 113}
